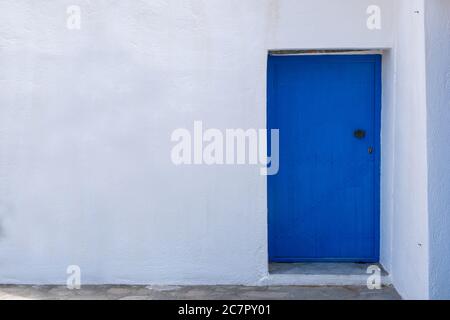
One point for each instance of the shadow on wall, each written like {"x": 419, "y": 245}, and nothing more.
{"x": 2, "y": 233}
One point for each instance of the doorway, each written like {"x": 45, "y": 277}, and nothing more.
{"x": 323, "y": 204}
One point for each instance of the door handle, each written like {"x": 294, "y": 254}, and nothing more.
{"x": 359, "y": 134}
{"x": 370, "y": 150}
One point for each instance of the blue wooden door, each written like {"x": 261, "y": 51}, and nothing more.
{"x": 324, "y": 202}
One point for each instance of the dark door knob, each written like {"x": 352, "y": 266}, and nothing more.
{"x": 359, "y": 134}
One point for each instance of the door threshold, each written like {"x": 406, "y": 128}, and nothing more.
{"x": 324, "y": 274}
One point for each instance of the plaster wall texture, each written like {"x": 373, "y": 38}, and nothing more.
{"x": 387, "y": 157}
{"x": 437, "y": 23}
{"x": 86, "y": 118}
{"x": 405, "y": 245}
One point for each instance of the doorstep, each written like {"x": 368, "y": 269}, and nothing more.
{"x": 322, "y": 274}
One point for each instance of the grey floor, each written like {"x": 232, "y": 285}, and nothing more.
{"x": 14, "y": 292}
{"x": 196, "y": 293}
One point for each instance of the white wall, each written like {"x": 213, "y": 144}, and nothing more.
{"x": 404, "y": 165}
{"x": 85, "y": 124}
{"x": 438, "y": 120}
{"x": 415, "y": 164}
{"x": 387, "y": 157}
{"x": 86, "y": 118}
{"x": 328, "y": 24}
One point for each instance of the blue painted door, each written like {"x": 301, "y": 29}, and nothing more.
{"x": 324, "y": 202}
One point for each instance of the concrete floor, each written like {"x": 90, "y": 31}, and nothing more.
{"x": 308, "y": 275}
{"x": 196, "y": 293}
